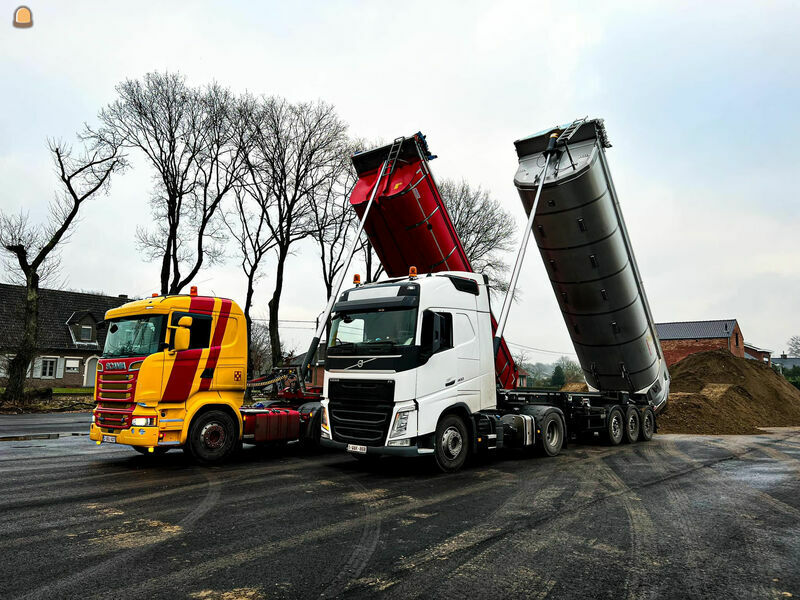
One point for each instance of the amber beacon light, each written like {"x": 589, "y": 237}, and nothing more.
{"x": 23, "y": 17}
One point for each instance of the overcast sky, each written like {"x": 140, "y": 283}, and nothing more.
{"x": 700, "y": 102}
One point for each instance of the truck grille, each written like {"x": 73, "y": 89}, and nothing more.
{"x": 360, "y": 410}
{"x": 114, "y": 396}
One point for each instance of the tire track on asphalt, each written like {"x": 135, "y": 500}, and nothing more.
{"x": 76, "y": 583}
{"x": 196, "y": 572}
{"x": 479, "y": 539}
{"x": 735, "y": 455}
{"x": 363, "y": 550}
{"x": 754, "y": 547}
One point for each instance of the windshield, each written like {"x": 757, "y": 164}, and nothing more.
{"x": 134, "y": 336}
{"x": 375, "y": 329}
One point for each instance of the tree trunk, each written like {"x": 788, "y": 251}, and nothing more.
{"x": 248, "y": 303}
{"x": 26, "y": 351}
{"x": 274, "y": 305}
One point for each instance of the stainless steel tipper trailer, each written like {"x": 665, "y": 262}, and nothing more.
{"x": 581, "y": 235}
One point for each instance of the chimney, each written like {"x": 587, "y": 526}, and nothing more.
{"x": 783, "y": 356}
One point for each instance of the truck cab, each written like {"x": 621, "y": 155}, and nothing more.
{"x": 172, "y": 374}
{"x": 403, "y": 356}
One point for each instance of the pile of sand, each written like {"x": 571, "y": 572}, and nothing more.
{"x": 575, "y": 387}
{"x": 718, "y": 393}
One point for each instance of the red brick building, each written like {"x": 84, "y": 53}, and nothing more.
{"x": 756, "y": 353}
{"x": 680, "y": 339}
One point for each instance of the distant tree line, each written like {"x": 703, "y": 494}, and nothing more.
{"x": 256, "y": 173}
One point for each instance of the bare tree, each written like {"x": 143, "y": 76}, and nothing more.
{"x": 294, "y": 146}
{"x": 372, "y": 264}
{"x": 33, "y": 249}
{"x": 190, "y": 137}
{"x": 794, "y": 345}
{"x": 333, "y": 218}
{"x": 485, "y": 229}
{"x": 247, "y": 224}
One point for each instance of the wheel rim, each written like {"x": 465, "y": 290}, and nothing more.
{"x": 616, "y": 426}
{"x": 212, "y": 436}
{"x": 452, "y": 443}
{"x": 633, "y": 426}
{"x": 552, "y": 434}
{"x": 648, "y": 424}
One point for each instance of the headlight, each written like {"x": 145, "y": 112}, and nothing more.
{"x": 143, "y": 421}
{"x": 134, "y": 366}
{"x": 400, "y": 423}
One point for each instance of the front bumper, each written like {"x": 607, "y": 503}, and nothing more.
{"x": 380, "y": 450}
{"x": 135, "y": 436}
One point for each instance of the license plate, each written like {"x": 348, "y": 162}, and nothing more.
{"x": 356, "y": 448}
{"x": 110, "y": 438}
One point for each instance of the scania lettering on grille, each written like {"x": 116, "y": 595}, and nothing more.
{"x": 116, "y": 366}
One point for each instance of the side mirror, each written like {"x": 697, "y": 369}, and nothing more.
{"x": 181, "y": 338}
{"x": 182, "y": 335}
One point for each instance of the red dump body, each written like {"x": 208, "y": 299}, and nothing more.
{"x": 408, "y": 224}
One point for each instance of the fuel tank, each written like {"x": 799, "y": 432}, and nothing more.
{"x": 585, "y": 246}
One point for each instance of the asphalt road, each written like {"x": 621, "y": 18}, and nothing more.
{"x": 679, "y": 517}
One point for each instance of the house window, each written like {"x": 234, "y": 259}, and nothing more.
{"x": 737, "y": 340}
{"x": 72, "y": 365}
{"x": 49, "y": 368}
{"x": 86, "y": 333}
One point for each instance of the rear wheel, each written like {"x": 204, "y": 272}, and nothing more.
{"x": 212, "y": 437}
{"x": 648, "y": 425}
{"x": 451, "y": 444}
{"x": 552, "y": 436}
{"x": 632, "y": 425}
{"x": 615, "y": 426}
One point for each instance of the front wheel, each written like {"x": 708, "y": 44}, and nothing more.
{"x": 212, "y": 437}
{"x": 451, "y": 444}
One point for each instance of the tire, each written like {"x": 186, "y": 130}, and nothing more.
{"x": 552, "y": 437}
{"x": 648, "y": 425}
{"x": 212, "y": 437}
{"x": 155, "y": 452}
{"x": 615, "y": 426}
{"x": 451, "y": 445}
{"x": 633, "y": 425}
{"x": 310, "y": 438}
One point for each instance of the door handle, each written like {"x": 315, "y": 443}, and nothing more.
{"x": 449, "y": 383}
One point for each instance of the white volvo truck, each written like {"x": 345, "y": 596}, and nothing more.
{"x": 416, "y": 365}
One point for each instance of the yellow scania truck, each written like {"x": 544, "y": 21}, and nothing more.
{"x": 174, "y": 373}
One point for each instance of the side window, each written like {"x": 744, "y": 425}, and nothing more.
{"x": 437, "y": 331}
{"x": 447, "y": 330}
{"x": 200, "y": 331}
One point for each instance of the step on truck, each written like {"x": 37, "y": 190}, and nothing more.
{"x": 173, "y": 374}
{"x": 417, "y": 365}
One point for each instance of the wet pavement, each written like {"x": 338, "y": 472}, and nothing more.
{"x": 679, "y": 517}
